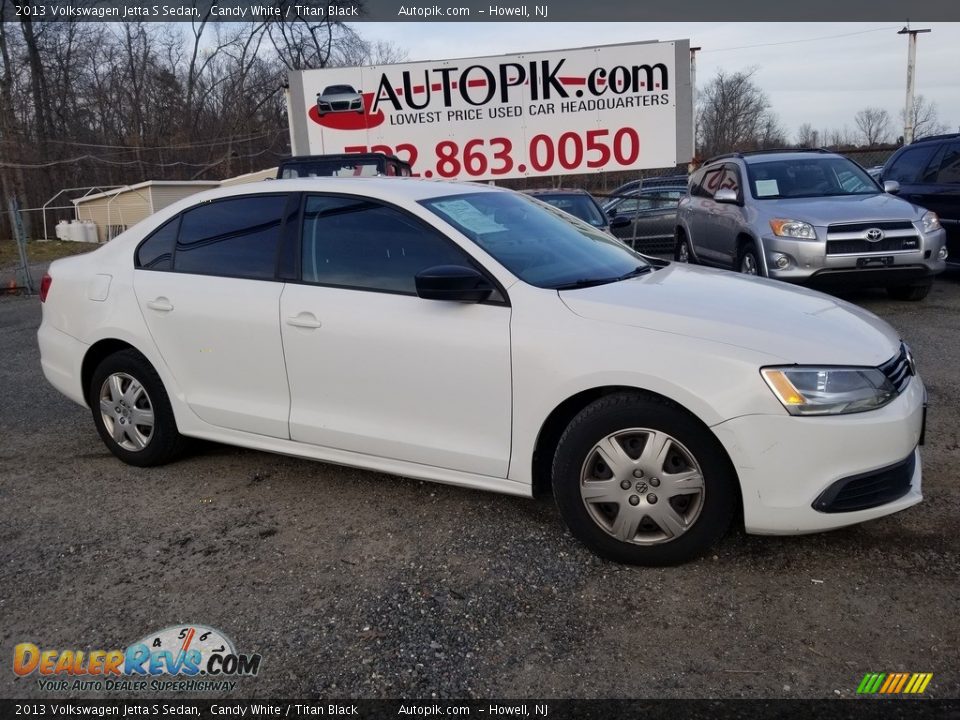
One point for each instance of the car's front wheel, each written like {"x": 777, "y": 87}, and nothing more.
{"x": 748, "y": 261}
{"x": 641, "y": 481}
{"x": 681, "y": 250}
{"x": 132, "y": 411}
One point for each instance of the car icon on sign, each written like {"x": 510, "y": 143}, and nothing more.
{"x": 339, "y": 98}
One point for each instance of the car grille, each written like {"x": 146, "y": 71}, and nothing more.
{"x": 851, "y": 238}
{"x": 868, "y": 490}
{"x": 344, "y": 105}
{"x": 899, "y": 368}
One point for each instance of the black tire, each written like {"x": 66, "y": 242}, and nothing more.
{"x": 682, "y": 240}
{"x": 748, "y": 253}
{"x": 165, "y": 443}
{"x": 621, "y": 411}
{"x": 910, "y": 293}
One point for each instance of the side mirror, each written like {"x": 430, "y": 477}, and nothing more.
{"x": 726, "y": 195}
{"x": 453, "y": 282}
{"x": 612, "y": 212}
{"x": 619, "y": 222}
{"x": 891, "y": 186}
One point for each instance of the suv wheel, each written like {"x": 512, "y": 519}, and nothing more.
{"x": 681, "y": 250}
{"x": 639, "y": 480}
{"x": 748, "y": 262}
{"x": 912, "y": 293}
{"x": 132, "y": 412}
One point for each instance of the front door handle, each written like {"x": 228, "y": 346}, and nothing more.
{"x": 160, "y": 304}
{"x": 304, "y": 320}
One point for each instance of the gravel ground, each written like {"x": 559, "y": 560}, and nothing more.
{"x": 355, "y": 584}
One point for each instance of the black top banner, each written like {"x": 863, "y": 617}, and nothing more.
{"x": 486, "y": 709}
{"x": 314, "y": 11}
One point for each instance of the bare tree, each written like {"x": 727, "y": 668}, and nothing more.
{"x": 926, "y": 118}
{"x": 806, "y": 136}
{"x": 118, "y": 103}
{"x": 734, "y": 114}
{"x": 874, "y": 126}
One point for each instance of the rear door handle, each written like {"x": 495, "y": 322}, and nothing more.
{"x": 304, "y": 320}
{"x": 161, "y": 304}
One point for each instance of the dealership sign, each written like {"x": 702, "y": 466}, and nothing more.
{"x": 614, "y": 107}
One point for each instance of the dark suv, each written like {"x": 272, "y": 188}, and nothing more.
{"x": 928, "y": 171}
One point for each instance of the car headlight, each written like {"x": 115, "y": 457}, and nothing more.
{"x": 829, "y": 390}
{"x": 930, "y": 221}
{"x": 793, "y": 229}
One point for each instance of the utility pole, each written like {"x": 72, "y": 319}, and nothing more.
{"x": 911, "y": 65}
{"x": 693, "y": 90}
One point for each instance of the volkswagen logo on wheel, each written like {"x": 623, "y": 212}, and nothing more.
{"x": 874, "y": 234}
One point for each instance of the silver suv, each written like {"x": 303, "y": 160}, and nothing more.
{"x": 808, "y": 217}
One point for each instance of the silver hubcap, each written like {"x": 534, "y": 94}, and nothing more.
{"x": 684, "y": 253}
{"x": 126, "y": 411}
{"x": 642, "y": 486}
{"x": 748, "y": 266}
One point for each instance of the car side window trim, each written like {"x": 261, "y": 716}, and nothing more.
{"x": 288, "y": 248}
{"x": 499, "y": 297}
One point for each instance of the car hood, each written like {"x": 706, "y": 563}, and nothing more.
{"x": 841, "y": 209}
{"x": 792, "y": 324}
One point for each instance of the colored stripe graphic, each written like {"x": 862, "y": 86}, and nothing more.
{"x": 894, "y": 683}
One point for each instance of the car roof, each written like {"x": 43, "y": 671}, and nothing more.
{"x": 390, "y": 189}
{"x": 936, "y": 138}
{"x": 557, "y": 191}
{"x": 755, "y": 156}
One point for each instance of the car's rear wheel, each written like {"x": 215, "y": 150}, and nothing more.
{"x": 913, "y": 293}
{"x": 132, "y": 411}
{"x": 681, "y": 250}
{"x": 748, "y": 261}
{"x": 641, "y": 481}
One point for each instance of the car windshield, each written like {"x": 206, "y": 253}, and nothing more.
{"x": 582, "y": 206}
{"x": 338, "y": 90}
{"x": 542, "y": 248}
{"x": 809, "y": 177}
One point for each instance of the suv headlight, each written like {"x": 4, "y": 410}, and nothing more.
{"x": 793, "y": 229}
{"x": 829, "y": 390}
{"x": 930, "y": 221}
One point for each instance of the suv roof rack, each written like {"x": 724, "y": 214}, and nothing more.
{"x": 771, "y": 151}
{"x": 944, "y": 136}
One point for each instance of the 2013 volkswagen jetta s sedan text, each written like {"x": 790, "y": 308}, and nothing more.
{"x": 462, "y": 334}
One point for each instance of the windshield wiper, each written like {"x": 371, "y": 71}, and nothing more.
{"x": 639, "y": 270}
{"x": 591, "y": 282}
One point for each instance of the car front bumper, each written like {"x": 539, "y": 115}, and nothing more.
{"x": 809, "y": 262}
{"x": 787, "y": 464}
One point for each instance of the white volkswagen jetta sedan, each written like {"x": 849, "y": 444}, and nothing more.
{"x": 467, "y": 335}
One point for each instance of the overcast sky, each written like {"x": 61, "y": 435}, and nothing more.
{"x": 809, "y": 74}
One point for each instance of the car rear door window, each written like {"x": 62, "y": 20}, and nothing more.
{"x": 156, "y": 252}
{"x": 949, "y": 170}
{"x": 355, "y": 243}
{"x": 237, "y": 237}
{"x": 908, "y": 167}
